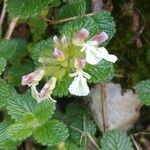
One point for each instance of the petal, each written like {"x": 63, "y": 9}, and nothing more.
{"x": 79, "y": 63}
{"x": 92, "y": 56}
{"x": 101, "y": 37}
{"x": 79, "y": 86}
{"x": 80, "y": 37}
{"x": 105, "y": 55}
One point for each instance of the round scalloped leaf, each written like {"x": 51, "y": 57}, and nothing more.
{"x": 26, "y": 8}
{"x": 51, "y": 133}
{"x": 100, "y": 73}
{"x": 25, "y": 107}
{"x": 4, "y": 93}
{"x": 2, "y": 64}
{"x": 106, "y": 23}
{"x": 116, "y": 140}
{"x": 143, "y": 91}
{"x": 43, "y": 48}
{"x": 62, "y": 86}
{"x": 19, "y": 131}
{"x": 71, "y": 28}
{"x": 70, "y": 9}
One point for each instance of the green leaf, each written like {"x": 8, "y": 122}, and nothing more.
{"x": 116, "y": 140}
{"x": 7, "y": 48}
{"x": 24, "y": 107}
{"x": 4, "y": 93}
{"x": 20, "y": 104}
{"x": 2, "y": 64}
{"x": 43, "y": 48}
{"x": 100, "y": 73}
{"x": 106, "y": 23}
{"x": 37, "y": 28}
{"x": 51, "y": 133}
{"x": 5, "y": 141}
{"x": 26, "y": 8}
{"x": 70, "y": 9}
{"x": 62, "y": 86}
{"x": 19, "y": 131}
{"x": 143, "y": 91}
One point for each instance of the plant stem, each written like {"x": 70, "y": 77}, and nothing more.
{"x": 11, "y": 28}
{"x": 53, "y": 22}
{"x": 3, "y": 14}
{"x": 104, "y": 107}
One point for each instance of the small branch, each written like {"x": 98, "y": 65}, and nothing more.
{"x": 104, "y": 107}
{"x": 11, "y": 28}
{"x": 3, "y": 14}
{"x": 135, "y": 143}
{"x": 141, "y": 133}
{"x": 53, "y": 22}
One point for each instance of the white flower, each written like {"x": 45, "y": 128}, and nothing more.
{"x": 46, "y": 91}
{"x": 93, "y": 54}
{"x": 79, "y": 85}
{"x": 33, "y": 78}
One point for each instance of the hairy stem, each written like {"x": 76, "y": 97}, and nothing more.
{"x": 3, "y": 14}
{"x": 11, "y": 28}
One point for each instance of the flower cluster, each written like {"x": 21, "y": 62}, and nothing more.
{"x": 71, "y": 57}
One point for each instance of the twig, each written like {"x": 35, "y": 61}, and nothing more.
{"x": 53, "y": 22}
{"x": 3, "y": 14}
{"x": 135, "y": 143}
{"x": 11, "y": 28}
{"x": 141, "y": 133}
{"x": 104, "y": 107}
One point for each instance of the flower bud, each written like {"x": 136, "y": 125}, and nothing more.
{"x": 48, "y": 88}
{"x": 80, "y": 37}
{"x": 101, "y": 37}
{"x": 64, "y": 40}
{"x": 33, "y": 78}
{"x": 58, "y": 54}
{"x": 79, "y": 63}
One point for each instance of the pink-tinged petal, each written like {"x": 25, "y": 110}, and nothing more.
{"x": 48, "y": 88}
{"x": 101, "y": 37}
{"x": 58, "y": 54}
{"x": 80, "y": 37}
{"x": 79, "y": 63}
{"x": 27, "y": 79}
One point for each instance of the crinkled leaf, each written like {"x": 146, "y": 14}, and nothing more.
{"x": 5, "y": 141}
{"x": 70, "y": 9}
{"x": 26, "y": 8}
{"x": 116, "y": 140}
{"x": 8, "y": 48}
{"x": 4, "y": 93}
{"x": 25, "y": 107}
{"x": 19, "y": 131}
{"x": 51, "y": 133}
{"x": 62, "y": 86}
{"x": 2, "y": 64}
{"x": 43, "y": 48}
{"x": 100, "y": 73}
{"x": 143, "y": 91}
